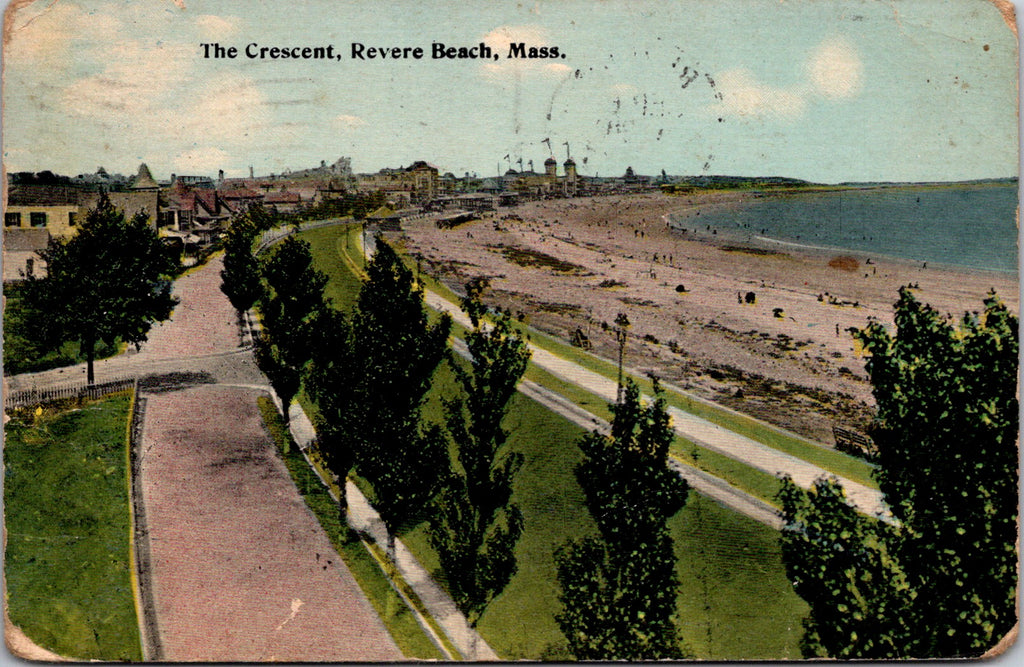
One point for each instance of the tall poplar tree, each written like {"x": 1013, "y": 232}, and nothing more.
{"x": 619, "y": 591}
{"x": 395, "y": 351}
{"x": 289, "y": 307}
{"x": 477, "y": 526}
{"x": 241, "y": 281}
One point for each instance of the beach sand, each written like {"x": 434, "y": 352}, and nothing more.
{"x": 577, "y": 263}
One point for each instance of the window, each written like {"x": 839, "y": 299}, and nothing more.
{"x": 71, "y": 218}
{"x": 30, "y": 267}
{"x": 38, "y": 219}
{"x": 12, "y": 219}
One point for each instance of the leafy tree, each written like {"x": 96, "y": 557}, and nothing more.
{"x": 289, "y": 308}
{"x": 110, "y": 280}
{"x": 395, "y": 351}
{"x": 946, "y": 431}
{"x": 477, "y": 527}
{"x": 619, "y": 592}
{"x": 240, "y": 278}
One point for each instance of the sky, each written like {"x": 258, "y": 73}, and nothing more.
{"x": 823, "y": 90}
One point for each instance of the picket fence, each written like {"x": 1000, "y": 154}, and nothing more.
{"x": 77, "y": 391}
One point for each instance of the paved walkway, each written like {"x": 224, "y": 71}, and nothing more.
{"x": 438, "y": 604}
{"x": 241, "y": 570}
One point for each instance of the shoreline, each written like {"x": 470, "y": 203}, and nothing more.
{"x": 713, "y": 205}
{"x": 785, "y": 356}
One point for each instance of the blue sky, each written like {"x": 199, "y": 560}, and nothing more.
{"x": 827, "y": 91}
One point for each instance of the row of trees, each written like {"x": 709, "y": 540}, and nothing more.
{"x": 369, "y": 372}
{"x": 938, "y": 580}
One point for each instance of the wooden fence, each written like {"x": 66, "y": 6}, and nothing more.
{"x": 78, "y": 391}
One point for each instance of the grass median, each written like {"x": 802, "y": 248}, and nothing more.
{"x": 67, "y": 512}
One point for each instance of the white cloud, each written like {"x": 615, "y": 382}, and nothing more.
{"x": 217, "y": 27}
{"x": 41, "y": 34}
{"x": 136, "y": 80}
{"x": 231, "y": 110}
{"x": 835, "y": 69}
{"x": 741, "y": 95}
{"x": 347, "y": 122}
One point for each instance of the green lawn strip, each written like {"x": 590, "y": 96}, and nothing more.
{"x": 22, "y": 355}
{"x": 713, "y": 619}
{"x": 397, "y": 617}
{"x": 68, "y": 513}
{"x": 755, "y": 482}
{"x": 735, "y": 602}
{"x": 326, "y": 244}
{"x": 834, "y": 461}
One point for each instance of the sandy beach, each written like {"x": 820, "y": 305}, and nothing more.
{"x": 785, "y": 357}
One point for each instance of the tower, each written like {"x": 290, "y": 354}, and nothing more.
{"x": 550, "y": 167}
{"x": 570, "y": 177}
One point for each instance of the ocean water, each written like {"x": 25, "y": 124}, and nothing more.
{"x": 973, "y": 226}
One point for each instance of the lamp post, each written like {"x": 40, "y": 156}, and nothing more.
{"x": 622, "y": 325}
{"x": 363, "y": 237}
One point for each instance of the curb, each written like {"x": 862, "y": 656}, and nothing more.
{"x": 149, "y": 633}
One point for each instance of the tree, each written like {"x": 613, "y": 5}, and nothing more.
{"x": 330, "y": 380}
{"x": 110, "y": 280}
{"x": 395, "y": 351}
{"x": 289, "y": 307}
{"x": 240, "y": 278}
{"x": 619, "y": 592}
{"x": 946, "y": 432}
{"x": 477, "y": 527}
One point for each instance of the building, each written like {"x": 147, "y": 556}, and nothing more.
{"x": 416, "y": 184}
{"x": 56, "y": 209}
{"x": 283, "y": 201}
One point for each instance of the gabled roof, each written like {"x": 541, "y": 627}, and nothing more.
{"x": 282, "y": 198}
{"x": 241, "y": 193}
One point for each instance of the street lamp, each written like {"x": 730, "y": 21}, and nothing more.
{"x": 363, "y": 237}
{"x": 622, "y": 325}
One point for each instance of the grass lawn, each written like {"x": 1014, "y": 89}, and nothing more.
{"x": 22, "y": 355}
{"x": 735, "y": 601}
{"x": 67, "y": 512}
{"x": 397, "y": 617}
